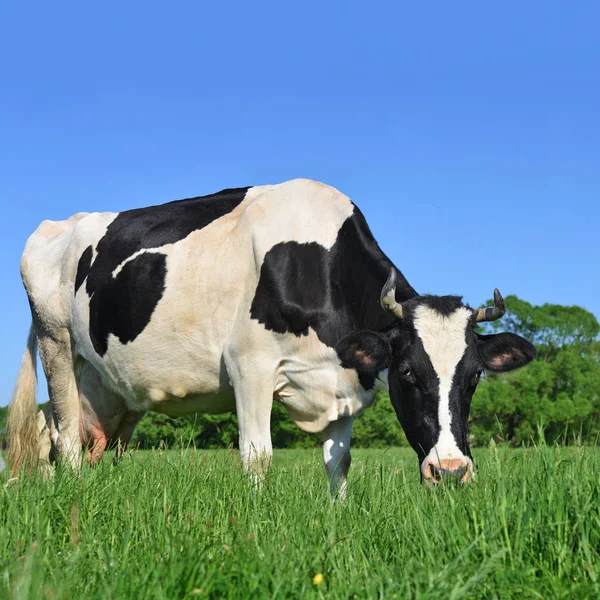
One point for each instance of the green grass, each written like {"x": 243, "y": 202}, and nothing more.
{"x": 188, "y": 525}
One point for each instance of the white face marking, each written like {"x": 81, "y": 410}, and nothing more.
{"x": 443, "y": 338}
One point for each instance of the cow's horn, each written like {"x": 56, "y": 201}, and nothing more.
{"x": 388, "y": 295}
{"x": 492, "y": 313}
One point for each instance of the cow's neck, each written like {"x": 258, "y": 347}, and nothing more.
{"x": 364, "y": 270}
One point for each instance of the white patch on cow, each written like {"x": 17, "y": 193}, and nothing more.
{"x": 444, "y": 341}
{"x": 310, "y": 384}
{"x": 271, "y": 225}
{"x": 160, "y": 250}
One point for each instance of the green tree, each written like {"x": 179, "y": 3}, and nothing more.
{"x": 378, "y": 426}
{"x": 560, "y": 389}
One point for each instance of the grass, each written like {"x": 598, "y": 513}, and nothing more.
{"x": 187, "y": 524}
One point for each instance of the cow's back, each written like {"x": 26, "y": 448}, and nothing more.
{"x": 300, "y": 210}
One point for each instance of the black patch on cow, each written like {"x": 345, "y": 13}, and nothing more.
{"x": 414, "y": 390}
{"x": 335, "y": 292}
{"x": 123, "y": 305}
{"x": 464, "y": 384}
{"x": 83, "y": 267}
{"x": 444, "y": 305}
{"x": 367, "y": 380}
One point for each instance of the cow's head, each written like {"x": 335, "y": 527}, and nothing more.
{"x": 434, "y": 360}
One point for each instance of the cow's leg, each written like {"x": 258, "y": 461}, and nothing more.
{"x": 44, "y": 424}
{"x": 254, "y": 401}
{"x": 57, "y": 360}
{"x": 336, "y": 455}
{"x": 253, "y": 390}
{"x": 254, "y": 422}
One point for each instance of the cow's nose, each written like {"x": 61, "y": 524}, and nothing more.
{"x": 447, "y": 470}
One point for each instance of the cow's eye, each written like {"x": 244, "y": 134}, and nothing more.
{"x": 404, "y": 372}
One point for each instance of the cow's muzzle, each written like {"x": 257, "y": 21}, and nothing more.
{"x": 456, "y": 469}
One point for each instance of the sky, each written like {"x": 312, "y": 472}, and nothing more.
{"x": 468, "y": 133}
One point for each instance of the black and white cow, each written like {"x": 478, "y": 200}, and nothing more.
{"x": 228, "y": 301}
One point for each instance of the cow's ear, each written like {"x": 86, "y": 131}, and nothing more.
{"x": 505, "y": 351}
{"x": 365, "y": 351}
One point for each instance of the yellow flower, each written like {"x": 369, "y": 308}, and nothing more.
{"x": 318, "y": 578}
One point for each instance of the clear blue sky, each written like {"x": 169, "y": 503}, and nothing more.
{"x": 468, "y": 133}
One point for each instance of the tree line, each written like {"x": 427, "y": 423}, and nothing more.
{"x": 556, "y": 396}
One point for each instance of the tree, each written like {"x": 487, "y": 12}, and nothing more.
{"x": 378, "y": 426}
{"x": 559, "y": 390}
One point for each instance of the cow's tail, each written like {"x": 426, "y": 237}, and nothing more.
{"x": 23, "y": 436}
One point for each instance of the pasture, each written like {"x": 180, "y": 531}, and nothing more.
{"x": 187, "y": 524}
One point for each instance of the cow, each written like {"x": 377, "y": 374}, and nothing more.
{"x": 236, "y": 299}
